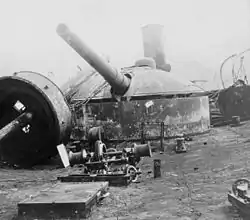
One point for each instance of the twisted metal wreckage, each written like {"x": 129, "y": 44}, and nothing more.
{"x": 226, "y": 106}
{"x": 128, "y": 106}
{"x": 133, "y": 95}
{"x": 154, "y": 95}
{"x": 238, "y": 95}
{"x": 233, "y": 100}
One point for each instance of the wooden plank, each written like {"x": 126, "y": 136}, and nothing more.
{"x": 71, "y": 200}
{"x": 113, "y": 179}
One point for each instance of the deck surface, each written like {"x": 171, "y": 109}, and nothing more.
{"x": 194, "y": 185}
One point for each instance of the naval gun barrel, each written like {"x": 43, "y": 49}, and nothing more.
{"x": 118, "y": 82}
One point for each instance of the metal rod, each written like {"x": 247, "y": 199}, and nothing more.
{"x": 142, "y": 133}
{"x": 17, "y": 123}
{"x": 221, "y": 67}
{"x": 162, "y": 136}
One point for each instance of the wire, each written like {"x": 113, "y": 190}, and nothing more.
{"x": 221, "y": 67}
{"x": 234, "y": 75}
{"x": 241, "y": 72}
{"x": 97, "y": 90}
{"x": 69, "y": 95}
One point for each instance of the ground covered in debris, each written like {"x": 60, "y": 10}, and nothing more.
{"x": 194, "y": 185}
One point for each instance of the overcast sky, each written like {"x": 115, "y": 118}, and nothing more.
{"x": 202, "y": 30}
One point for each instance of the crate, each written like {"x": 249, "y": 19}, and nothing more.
{"x": 71, "y": 200}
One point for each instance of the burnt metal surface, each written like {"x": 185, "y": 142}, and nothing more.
{"x": 50, "y": 125}
{"x": 235, "y": 101}
{"x": 138, "y": 87}
{"x": 226, "y": 104}
{"x": 122, "y": 120}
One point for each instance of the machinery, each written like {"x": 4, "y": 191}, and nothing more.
{"x": 181, "y": 146}
{"x": 143, "y": 95}
{"x": 100, "y": 160}
{"x": 34, "y": 118}
{"x": 103, "y": 161}
{"x": 239, "y": 196}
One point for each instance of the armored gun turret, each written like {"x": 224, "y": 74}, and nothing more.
{"x": 135, "y": 95}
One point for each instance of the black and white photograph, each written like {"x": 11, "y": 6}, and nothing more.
{"x": 124, "y": 110}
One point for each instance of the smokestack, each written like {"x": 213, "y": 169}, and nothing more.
{"x": 153, "y": 44}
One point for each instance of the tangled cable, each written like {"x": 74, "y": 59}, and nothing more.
{"x": 241, "y": 71}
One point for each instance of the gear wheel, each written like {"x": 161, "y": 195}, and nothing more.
{"x": 132, "y": 171}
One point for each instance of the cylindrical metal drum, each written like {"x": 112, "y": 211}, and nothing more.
{"x": 50, "y": 125}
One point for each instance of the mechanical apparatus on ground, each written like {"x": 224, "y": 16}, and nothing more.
{"x": 97, "y": 159}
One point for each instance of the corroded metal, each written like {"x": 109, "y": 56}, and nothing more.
{"x": 149, "y": 96}
{"x": 234, "y": 101}
{"x": 50, "y": 126}
{"x": 122, "y": 120}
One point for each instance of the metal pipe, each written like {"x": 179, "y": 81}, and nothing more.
{"x": 119, "y": 83}
{"x": 115, "y": 161}
{"x": 111, "y": 154}
{"x": 221, "y": 67}
{"x": 20, "y": 121}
